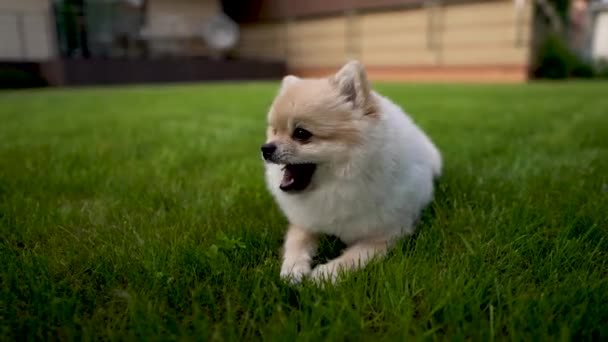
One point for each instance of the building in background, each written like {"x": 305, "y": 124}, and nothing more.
{"x": 395, "y": 39}
{"x": 81, "y": 42}
{"x": 118, "y": 41}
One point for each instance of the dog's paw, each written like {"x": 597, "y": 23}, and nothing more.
{"x": 294, "y": 272}
{"x": 326, "y": 272}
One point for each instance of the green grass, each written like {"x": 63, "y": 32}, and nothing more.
{"x": 141, "y": 213}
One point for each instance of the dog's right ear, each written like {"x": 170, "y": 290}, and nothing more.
{"x": 288, "y": 81}
{"x": 351, "y": 81}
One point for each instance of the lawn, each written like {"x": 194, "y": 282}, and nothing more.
{"x": 141, "y": 213}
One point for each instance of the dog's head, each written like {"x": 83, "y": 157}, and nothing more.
{"x": 318, "y": 121}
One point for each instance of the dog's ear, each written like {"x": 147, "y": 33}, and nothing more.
{"x": 287, "y": 81}
{"x": 351, "y": 81}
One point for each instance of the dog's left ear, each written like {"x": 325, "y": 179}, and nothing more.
{"x": 288, "y": 81}
{"x": 351, "y": 81}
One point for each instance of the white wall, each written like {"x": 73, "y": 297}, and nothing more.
{"x": 26, "y": 30}
{"x": 599, "y": 48}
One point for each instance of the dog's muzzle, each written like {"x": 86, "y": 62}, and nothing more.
{"x": 268, "y": 151}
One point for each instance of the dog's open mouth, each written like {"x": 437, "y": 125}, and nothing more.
{"x": 296, "y": 177}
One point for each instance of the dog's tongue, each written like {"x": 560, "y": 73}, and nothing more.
{"x": 287, "y": 178}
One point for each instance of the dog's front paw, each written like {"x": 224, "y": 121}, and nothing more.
{"x": 326, "y": 272}
{"x": 294, "y": 272}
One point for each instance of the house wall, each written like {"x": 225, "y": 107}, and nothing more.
{"x": 599, "y": 43}
{"x": 474, "y": 39}
{"x": 26, "y": 30}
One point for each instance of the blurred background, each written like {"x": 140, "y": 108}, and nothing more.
{"x": 88, "y": 42}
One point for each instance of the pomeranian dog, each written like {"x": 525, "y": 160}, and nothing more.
{"x": 342, "y": 160}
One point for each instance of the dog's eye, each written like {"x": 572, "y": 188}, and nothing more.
{"x": 301, "y": 134}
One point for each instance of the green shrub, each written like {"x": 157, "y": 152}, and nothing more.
{"x": 553, "y": 59}
{"x": 582, "y": 70}
{"x": 556, "y": 61}
{"x": 14, "y": 78}
{"x": 601, "y": 68}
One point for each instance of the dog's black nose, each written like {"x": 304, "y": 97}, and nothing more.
{"x": 268, "y": 150}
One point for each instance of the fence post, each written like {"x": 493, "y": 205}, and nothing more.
{"x": 434, "y": 23}
{"x": 52, "y": 34}
{"x": 21, "y": 32}
{"x": 519, "y": 22}
{"x": 352, "y": 35}
{"x": 286, "y": 39}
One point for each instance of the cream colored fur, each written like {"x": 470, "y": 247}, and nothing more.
{"x": 375, "y": 170}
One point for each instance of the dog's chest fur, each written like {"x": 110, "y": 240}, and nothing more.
{"x": 347, "y": 209}
{"x": 382, "y": 193}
